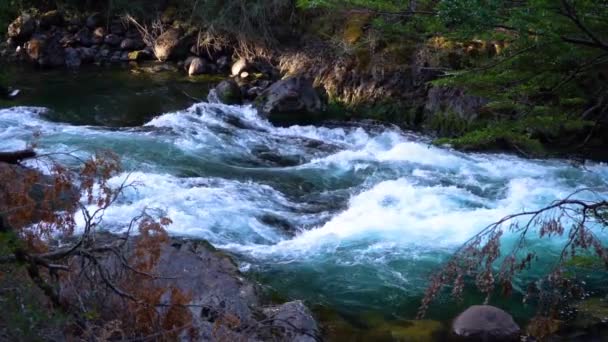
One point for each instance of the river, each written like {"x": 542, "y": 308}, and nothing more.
{"x": 349, "y": 216}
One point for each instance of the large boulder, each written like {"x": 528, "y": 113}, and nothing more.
{"x": 294, "y": 95}
{"x": 485, "y": 323}
{"x": 229, "y": 92}
{"x": 170, "y": 44}
{"x": 223, "y": 304}
{"x": 22, "y": 28}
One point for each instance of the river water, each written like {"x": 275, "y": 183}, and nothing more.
{"x": 354, "y": 217}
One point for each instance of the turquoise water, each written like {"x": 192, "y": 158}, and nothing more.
{"x": 352, "y": 217}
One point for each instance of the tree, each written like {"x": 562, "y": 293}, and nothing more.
{"x": 86, "y": 273}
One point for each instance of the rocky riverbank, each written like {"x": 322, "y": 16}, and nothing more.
{"x": 54, "y": 40}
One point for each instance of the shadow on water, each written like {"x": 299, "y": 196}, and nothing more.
{"x": 107, "y": 96}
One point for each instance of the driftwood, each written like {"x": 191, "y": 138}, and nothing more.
{"x": 17, "y": 156}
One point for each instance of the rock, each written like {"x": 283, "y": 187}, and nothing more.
{"x": 46, "y": 51}
{"x": 239, "y": 66}
{"x": 169, "y": 45}
{"x": 68, "y": 40}
{"x": 223, "y": 63}
{"x": 35, "y": 48}
{"x": 87, "y": 55}
{"x": 116, "y": 57}
{"x": 140, "y": 55}
{"x": 99, "y": 35}
{"x": 51, "y": 18}
{"x": 104, "y": 53}
{"x": 117, "y": 28}
{"x": 84, "y": 37}
{"x": 112, "y": 40}
{"x": 485, "y": 323}
{"x": 297, "y": 321}
{"x": 94, "y": 20}
{"x": 272, "y": 219}
{"x": 124, "y": 57}
{"x": 229, "y": 92}
{"x": 292, "y": 95}
{"x": 22, "y": 28}
{"x": 131, "y": 44}
{"x": 72, "y": 58}
{"x": 186, "y": 64}
{"x": 221, "y": 301}
{"x": 197, "y": 67}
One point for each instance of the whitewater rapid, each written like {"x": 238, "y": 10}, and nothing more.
{"x": 363, "y": 205}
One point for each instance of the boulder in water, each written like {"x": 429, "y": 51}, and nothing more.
{"x": 485, "y": 323}
{"x": 294, "y": 95}
{"x": 229, "y": 92}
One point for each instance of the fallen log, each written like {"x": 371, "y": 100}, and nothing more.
{"x": 17, "y": 156}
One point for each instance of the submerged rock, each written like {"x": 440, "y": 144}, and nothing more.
{"x": 411, "y": 331}
{"x": 485, "y": 323}
{"x": 291, "y": 95}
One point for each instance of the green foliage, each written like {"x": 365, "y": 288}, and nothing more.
{"x": 495, "y": 138}
{"x": 526, "y": 134}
